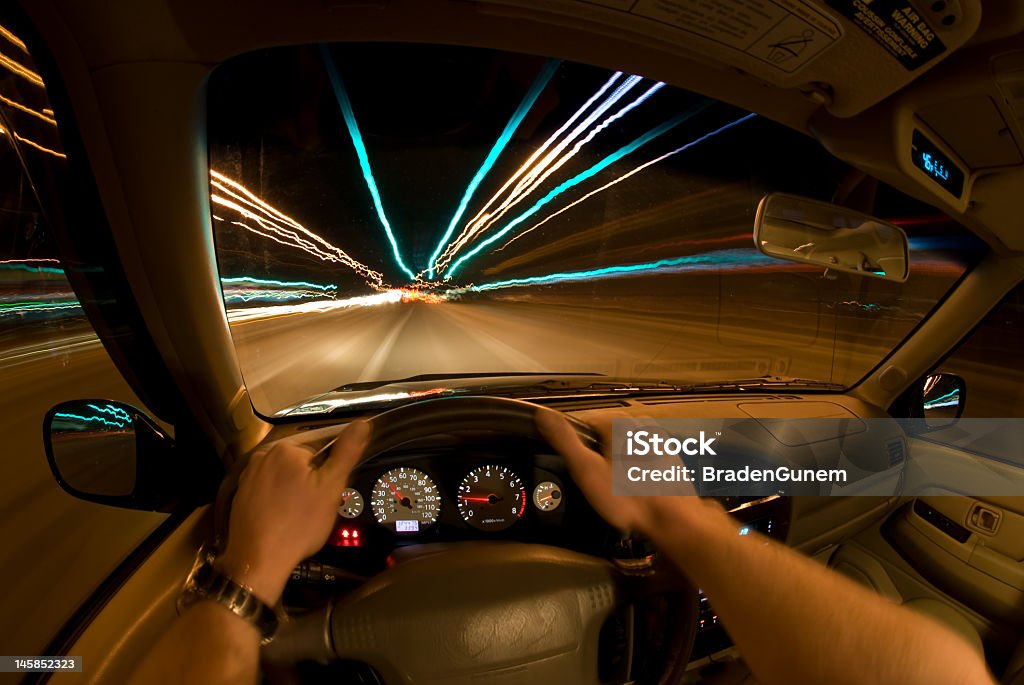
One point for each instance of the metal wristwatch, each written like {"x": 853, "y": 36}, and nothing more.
{"x": 205, "y": 581}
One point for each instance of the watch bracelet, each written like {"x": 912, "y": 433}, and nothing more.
{"x": 207, "y": 582}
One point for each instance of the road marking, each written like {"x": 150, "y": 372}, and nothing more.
{"x": 371, "y": 372}
{"x": 11, "y": 357}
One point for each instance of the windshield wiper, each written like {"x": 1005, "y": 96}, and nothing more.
{"x": 569, "y": 387}
{"x": 431, "y": 377}
{"x": 767, "y": 382}
{"x": 390, "y": 392}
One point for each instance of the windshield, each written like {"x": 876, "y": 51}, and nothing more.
{"x": 387, "y": 211}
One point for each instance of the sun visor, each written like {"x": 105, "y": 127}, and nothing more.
{"x": 848, "y": 54}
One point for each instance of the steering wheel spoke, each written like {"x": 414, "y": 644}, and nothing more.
{"x": 529, "y": 611}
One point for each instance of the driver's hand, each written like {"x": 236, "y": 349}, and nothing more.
{"x": 592, "y": 473}
{"x": 284, "y": 510}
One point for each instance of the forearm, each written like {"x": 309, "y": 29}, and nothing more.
{"x": 206, "y": 644}
{"x": 795, "y": 621}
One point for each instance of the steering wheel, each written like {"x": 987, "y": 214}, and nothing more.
{"x": 506, "y": 611}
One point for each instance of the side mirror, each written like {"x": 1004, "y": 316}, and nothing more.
{"x": 110, "y": 453}
{"x": 800, "y": 230}
{"x": 943, "y": 398}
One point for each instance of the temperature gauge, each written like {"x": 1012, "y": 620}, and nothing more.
{"x": 547, "y": 496}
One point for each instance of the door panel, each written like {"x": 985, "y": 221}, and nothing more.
{"x": 941, "y": 537}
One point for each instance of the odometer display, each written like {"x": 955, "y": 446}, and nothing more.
{"x": 405, "y": 500}
{"x": 491, "y": 498}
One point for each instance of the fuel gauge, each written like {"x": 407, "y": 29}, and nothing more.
{"x": 351, "y": 503}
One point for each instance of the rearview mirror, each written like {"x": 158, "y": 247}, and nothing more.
{"x": 110, "y": 453}
{"x": 800, "y": 230}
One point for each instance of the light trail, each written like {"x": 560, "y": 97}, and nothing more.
{"x": 268, "y": 295}
{"x": 119, "y": 417}
{"x": 21, "y": 70}
{"x": 364, "y": 160}
{"x": 544, "y": 146}
{"x": 13, "y": 39}
{"x": 736, "y": 258}
{"x": 28, "y": 110}
{"x": 252, "y": 280}
{"x": 539, "y": 172}
{"x": 117, "y": 412}
{"x": 319, "y": 307}
{"x": 576, "y": 180}
{"x": 635, "y": 171}
{"x": 19, "y": 308}
{"x": 32, "y": 143}
{"x": 529, "y": 185}
{"x": 538, "y": 85}
{"x": 24, "y": 265}
{"x": 280, "y": 227}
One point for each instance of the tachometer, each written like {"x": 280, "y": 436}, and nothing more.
{"x": 405, "y": 500}
{"x": 491, "y": 498}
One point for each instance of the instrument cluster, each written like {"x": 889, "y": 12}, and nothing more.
{"x": 419, "y": 498}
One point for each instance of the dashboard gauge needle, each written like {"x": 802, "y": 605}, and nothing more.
{"x": 404, "y": 501}
{"x": 475, "y": 499}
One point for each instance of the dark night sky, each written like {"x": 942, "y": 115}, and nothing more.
{"x": 430, "y": 114}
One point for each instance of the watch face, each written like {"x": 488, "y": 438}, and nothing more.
{"x": 202, "y": 575}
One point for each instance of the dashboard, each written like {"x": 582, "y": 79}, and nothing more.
{"x": 453, "y": 489}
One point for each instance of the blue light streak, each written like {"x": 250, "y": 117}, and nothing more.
{"x": 364, "y": 161}
{"x": 579, "y": 178}
{"x": 119, "y": 417}
{"x": 531, "y": 96}
{"x": 950, "y": 399}
{"x": 271, "y": 296}
{"x": 10, "y": 308}
{"x": 116, "y": 412}
{"x": 282, "y": 284}
{"x": 623, "y": 177}
{"x": 745, "y": 257}
{"x": 34, "y": 269}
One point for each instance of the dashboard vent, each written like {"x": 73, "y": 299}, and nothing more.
{"x": 712, "y": 397}
{"x": 897, "y": 451}
{"x": 581, "y": 405}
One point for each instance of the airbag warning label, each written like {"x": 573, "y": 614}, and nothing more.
{"x": 896, "y": 26}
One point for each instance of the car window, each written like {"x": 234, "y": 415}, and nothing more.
{"x": 57, "y": 549}
{"x": 991, "y": 361}
{"x": 393, "y": 212}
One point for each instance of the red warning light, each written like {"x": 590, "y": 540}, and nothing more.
{"x": 345, "y": 537}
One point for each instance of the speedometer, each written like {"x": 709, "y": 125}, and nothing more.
{"x": 491, "y": 498}
{"x": 405, "y": 500}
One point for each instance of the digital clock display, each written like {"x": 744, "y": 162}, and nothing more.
{"x": 937, "y": 166}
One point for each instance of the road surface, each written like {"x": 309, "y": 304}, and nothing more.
{"x": 286, "y": 359}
